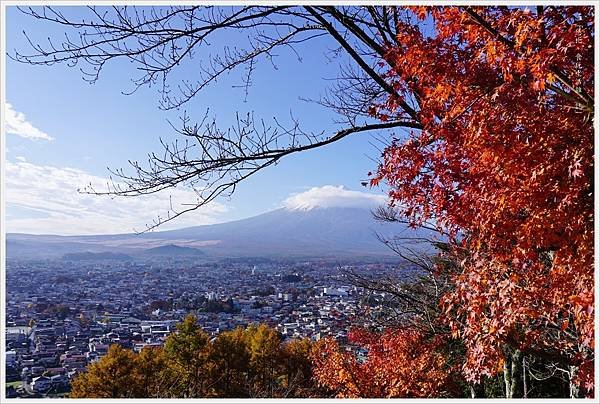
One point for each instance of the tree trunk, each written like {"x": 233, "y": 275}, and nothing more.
{"x": 524, "y": 371}
{"x": 510, "y": 373}
{"x": 573, "y": 387}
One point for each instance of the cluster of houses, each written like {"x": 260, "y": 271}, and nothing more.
{"x": 50, "y": 353}
{"x": 68, "y": 318}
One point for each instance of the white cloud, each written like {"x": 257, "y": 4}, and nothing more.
{"x": 333, "y": 196}
{"x": 15, "y": 123}
{"x": 58, "y": 208}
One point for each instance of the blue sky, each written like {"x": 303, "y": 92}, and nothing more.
{"x": 95, "y": 126}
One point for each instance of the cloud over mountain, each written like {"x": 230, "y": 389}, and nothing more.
{"x": 44, "y": 199}
{"x": 330, "y": 196}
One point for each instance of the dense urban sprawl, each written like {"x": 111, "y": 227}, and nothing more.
{"x": 63, "y": 315}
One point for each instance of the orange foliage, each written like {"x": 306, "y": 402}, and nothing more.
{"x": 504, "y": 162}
{"x": 400, "y": 363}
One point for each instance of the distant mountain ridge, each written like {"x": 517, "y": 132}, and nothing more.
{"x": 172, "y": 250}
{"x": 317, "y": 232}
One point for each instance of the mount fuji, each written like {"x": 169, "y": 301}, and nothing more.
{"x": 305, "y": 231}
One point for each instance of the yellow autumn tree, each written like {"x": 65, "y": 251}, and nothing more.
{"x": 111, "y": 377}
{"x": 188, "y": 352}
{"x": 242, "y": 363}
{"x": 231, "y": 357}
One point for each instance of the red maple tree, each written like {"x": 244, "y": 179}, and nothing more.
{"x": 505, "y": 163}
{"x": 398, "y": 363}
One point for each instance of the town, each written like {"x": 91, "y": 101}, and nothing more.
{"x": 62, "y": 315}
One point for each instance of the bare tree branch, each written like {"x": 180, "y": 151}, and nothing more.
{"x": 159, "y": 40}
{"x": 213, "y": 161}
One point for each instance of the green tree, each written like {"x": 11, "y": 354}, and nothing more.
{"x": 83, "y": 320}
{"x": 264, "y": 346}
{"x": 231, "y": 358}
{"x": 187, "y": 352}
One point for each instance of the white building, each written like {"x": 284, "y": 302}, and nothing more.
{"x": 41, "y": 383}
{"x": 11, "y": 358}
{"x": 335, "y": 291}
